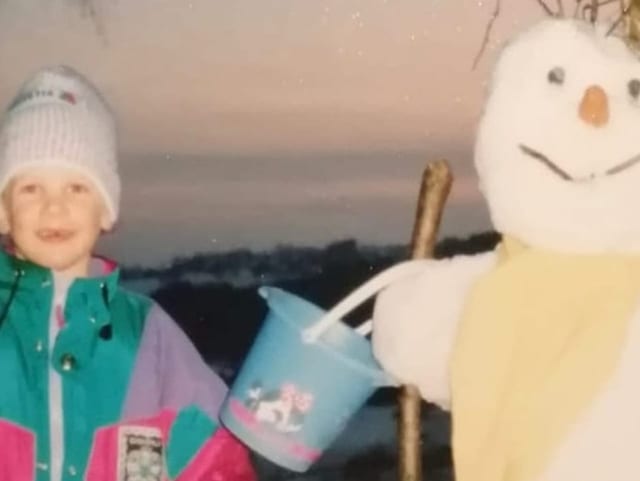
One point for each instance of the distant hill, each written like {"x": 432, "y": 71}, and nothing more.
{"x": 244, "y": 267}
{"x": 213, "y": 296}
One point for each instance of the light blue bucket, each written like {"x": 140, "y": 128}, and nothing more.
{"x": 305, "y": 376}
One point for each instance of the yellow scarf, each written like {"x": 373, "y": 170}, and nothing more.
{"x": 540, "y": 335}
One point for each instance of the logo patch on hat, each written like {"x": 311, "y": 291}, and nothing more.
{"x": 44, "y": 95}
{"x": 140, "y": 454}
{"x": 68, "y": 97}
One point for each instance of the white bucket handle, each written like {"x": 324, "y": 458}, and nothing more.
{"x": 360, "y": 295}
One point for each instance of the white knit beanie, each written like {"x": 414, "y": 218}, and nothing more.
{"x": 59, "y": 118}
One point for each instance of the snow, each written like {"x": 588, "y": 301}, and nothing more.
{"x": 372, "y": 428}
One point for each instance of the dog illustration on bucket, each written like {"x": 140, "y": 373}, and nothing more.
{"x": 284, "y": 409}
{"x": 306, "y": 375}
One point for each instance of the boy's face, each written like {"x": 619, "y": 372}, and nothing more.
{"x": 54, "y": 217}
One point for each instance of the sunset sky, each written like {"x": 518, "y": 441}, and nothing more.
{"x": 249, "y": 123}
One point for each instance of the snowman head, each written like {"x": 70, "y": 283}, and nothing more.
{"x": 558, "y": 145}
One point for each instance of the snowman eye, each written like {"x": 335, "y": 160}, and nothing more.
{"x": 556, "y": 75}
{"x": 634, "y": 88}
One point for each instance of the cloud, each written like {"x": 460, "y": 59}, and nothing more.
{"x": 247, "y": 75}
{"x": 274, "y": 120}
{"x": 188, "y": 204}
{"x": 173, "y": 197}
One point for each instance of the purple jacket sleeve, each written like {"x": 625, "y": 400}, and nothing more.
{"x": 170, "y": 373}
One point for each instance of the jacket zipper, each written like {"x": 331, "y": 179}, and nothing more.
{"x": 56, "y": 415}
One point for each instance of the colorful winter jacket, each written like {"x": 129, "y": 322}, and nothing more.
{"x": 113, "y": 391}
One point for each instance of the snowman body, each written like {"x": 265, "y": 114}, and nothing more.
{"x": 558, "y": 157}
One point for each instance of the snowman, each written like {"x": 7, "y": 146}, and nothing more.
{"x": 535, "y": 346}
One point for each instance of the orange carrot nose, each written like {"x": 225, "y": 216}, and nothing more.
{"x": 594, "y": 108}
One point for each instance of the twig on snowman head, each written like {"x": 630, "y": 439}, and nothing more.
{"x": 548, "y": 10}
{"x": 591, "y": 10}
{"x": 624, "y": 12}
{"x": 487, "y": 34}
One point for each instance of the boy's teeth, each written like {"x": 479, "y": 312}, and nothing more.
{"x": 54, "y": 234}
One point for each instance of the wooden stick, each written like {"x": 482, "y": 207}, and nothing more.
{"x": 435, "y": 187}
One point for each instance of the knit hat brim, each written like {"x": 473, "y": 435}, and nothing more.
{"x": 17, "y": 169}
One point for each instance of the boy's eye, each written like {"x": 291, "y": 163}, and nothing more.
{"x": 78, "y": 188}
{"x": 28, "y": 188}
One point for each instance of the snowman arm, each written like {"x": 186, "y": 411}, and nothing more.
{"x": 415, "y": 322}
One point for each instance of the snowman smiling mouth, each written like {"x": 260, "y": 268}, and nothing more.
{"x": 564, "y": 175}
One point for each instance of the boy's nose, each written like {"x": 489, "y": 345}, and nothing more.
{"x": 54, "y": 203}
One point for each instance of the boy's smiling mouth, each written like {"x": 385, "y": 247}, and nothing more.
{"x": 564, "y": 175}
{"x": 54, "y": 235}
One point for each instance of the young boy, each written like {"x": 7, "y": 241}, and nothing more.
{"x": 97, "y": 383}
